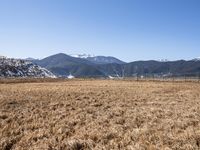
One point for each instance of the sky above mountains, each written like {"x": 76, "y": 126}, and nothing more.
{"x": 127, "y": 29}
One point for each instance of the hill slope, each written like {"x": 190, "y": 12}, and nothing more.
{"x": 20, "y": 68}
{"x": 174, "y": 68}
{"x": 64, "y": 65}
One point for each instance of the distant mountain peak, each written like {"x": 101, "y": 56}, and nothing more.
{"x": 196, "y": 59}
{"x": 105, "y": 60}
{"x": 98, "y": 59}
{"x": 82, "y": 55}
{"x": 163, "y": 60}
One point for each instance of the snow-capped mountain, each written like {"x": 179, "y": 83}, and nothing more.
{"x": 163, "y": 60}
{"x": 10, "y": 67}
{"x": 81, "y": 55}
{"x": 98, "y": 59}
{"x": 196, "y": 59}
{"x": 64, "y": 65}
{"x": 105, "y": 60}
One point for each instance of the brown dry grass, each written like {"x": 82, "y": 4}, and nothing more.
{"x": 100, "y": 114}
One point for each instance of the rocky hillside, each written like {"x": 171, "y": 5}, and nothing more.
{"x": 20, "y": 68}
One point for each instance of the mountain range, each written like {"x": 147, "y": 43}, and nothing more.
{"x": 70, "y": 66}
{"x": 63, "y": 65}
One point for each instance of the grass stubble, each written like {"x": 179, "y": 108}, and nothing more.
{"x": 100, "y": 115}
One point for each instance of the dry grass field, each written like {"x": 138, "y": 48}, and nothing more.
{"x": 99, "y": 115}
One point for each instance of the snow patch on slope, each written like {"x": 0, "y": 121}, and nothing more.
{"x": 81, "y": 55}
{"x": 196, "y": 59}
{"x": 10, "y": 67}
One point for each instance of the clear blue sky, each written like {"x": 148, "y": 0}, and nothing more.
{"x": 128, "y": 29}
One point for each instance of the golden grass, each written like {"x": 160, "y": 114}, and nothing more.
{"x": 100, "y": 114}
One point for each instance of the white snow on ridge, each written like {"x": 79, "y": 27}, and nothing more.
{"x": 196, "y": 59}
{"x": 82, "y": 55}
{"x": 163, "y": 60}
{"x": 10, "y": 67}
